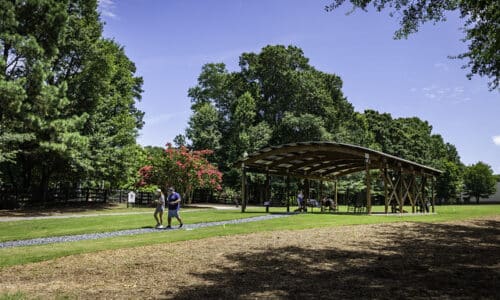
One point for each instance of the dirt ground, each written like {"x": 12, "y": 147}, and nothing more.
{"x": 455, "y": 260}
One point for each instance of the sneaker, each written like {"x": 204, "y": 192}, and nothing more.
{"x": 159, "y": 226}
{"x": 169, "y": 227}
{"x": 180, "y": 226}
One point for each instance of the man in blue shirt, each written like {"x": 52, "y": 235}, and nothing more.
{"x": 174, "y": 205}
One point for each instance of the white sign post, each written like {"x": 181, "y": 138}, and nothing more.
{"x": 131, "y": 199}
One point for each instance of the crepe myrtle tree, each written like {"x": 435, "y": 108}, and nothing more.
{"x": 182, "y": 168}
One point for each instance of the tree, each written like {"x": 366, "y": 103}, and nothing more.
{"x": 113, "y": 123}
{"x": 180, "y": 140}
{"x": 203, "y": 128}
{"x": 277, "y": 97}
{"x": 184, "y": 169}
{"x": 449, "y": 184}
{"x": 69, "y": 97}
{"x": 259, "y": 104}
{"x": 301, "y": 128}
{"x": 481, "y": 23}
{"x": 412, "y": 139}
{"x": 29, "y": 39}
{"x": 479, "y": 181}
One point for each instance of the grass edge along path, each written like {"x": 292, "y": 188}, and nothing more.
{"x": 94, "y": 236}
{"x": 41, "y": 228}
{"x": 30, "y": 254}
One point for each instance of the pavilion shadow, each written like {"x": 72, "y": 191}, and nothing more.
{"x": 431, "y": 261}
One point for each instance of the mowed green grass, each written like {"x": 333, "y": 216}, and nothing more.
{"x": 37, "y": 228}
{"x": 22, "y": 255}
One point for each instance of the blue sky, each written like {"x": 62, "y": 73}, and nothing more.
{"x": 170, "y": 40}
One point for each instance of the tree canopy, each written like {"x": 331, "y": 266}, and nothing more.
{"x": 277, "y": 97}
{"x": 181, "y": 168}
{"x": 481, "y": 27}
{"x": 67, "y": 95}
{"x": 479, "y": 181}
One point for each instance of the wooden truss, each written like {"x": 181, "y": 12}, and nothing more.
{"x": 404, "y": 181}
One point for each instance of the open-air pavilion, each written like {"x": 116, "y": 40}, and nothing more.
{"x": 328, "y": 161}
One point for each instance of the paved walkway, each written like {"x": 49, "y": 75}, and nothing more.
{"x": 93, "y": 236}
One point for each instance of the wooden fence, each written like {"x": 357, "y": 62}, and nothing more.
{"x": 10, "y": 199}
{"x": 14, "y": 199}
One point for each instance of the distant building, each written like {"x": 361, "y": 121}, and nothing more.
{"x": 493, "y": 198}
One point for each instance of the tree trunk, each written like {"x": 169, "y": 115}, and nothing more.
{"x": 6, "y": 49}
{"x": 40, "y": 192}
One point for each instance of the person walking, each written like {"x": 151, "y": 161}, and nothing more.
{"x": 160, "y": 208}
{"x": 174, "y": 205}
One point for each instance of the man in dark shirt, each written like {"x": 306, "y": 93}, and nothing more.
{"x": 174, "y": 205}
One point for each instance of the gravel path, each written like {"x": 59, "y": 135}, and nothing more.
{"x": 93, "y": 236}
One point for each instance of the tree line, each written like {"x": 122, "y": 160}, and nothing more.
{"x": 68, "y": 98}
{"x": 277, "y": 97}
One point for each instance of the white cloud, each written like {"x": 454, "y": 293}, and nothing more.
{"x": 441, "y": 66}
{"x": 496, "y": 140}
{"x": 454, "y": 95}
{"x": 106, "y": 7}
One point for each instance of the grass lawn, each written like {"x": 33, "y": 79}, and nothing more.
{"x": 40, "y": 228}
{"x": 88, "y": 209}
{"x": 29, "y": 229}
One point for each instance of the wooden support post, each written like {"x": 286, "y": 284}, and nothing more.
{"x": 423, "y": 203}
{"x": 287, "y": 193}
{"x": 410, "y": 191}
{"x": 267, "y": 192}
{"x": 433, "y": 196}
{"x": 400, "y": 191}
{"x": 368, "y": 184}
{"x": 243, "y": 188}
{"x": 306, "y": 195}
{"x": 386, "y": 192}
{"x": 268, "y": 187}
{"x": 336, "y": 195}
{"x": 320, "y": 195}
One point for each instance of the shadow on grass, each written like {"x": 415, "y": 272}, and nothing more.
{"x": 420, "y": 261}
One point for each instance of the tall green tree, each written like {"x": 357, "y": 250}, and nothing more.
{"x": 449, "y": 184}
{"x": 70, "y": 96}
{"x": 28, "y": 42}
{"x": 479, "y": 181}
{"x": 276, "y": 97}
{"x": 203, "y": 130}
{"x": 112, "y": 125}
{"x": 481, "y": 27}
{"x": 412, "y": 139}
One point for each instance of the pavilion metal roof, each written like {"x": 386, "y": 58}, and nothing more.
{"x": 326, "y": 160}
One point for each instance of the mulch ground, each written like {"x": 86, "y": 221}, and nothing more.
{"x": 455, "y": 260}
